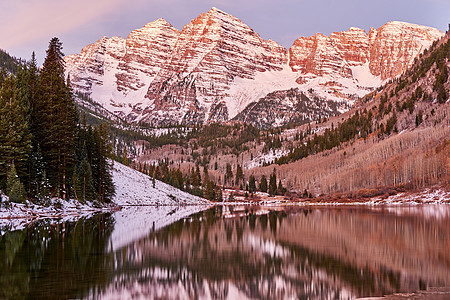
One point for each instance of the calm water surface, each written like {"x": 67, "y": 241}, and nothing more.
{"x": 230, "y": 252}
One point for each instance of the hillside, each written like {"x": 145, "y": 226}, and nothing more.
{"x": 9, "y": 63}
{"x": 135, "y": 188}
{"x": 406, "y": 143}
{"x": 394, "y": 139}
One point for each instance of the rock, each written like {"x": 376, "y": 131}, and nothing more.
{"x": 217, "y": 66}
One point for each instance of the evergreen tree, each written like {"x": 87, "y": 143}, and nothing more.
{"x": 14, "y": 188}
{"x": 196, "y": 177}
{"x": 263, "y": 184}
{"x": 228, "y": 174}
{"x": 273, "y": 184}
{"x": 305, "y": 194}
{"x": 54, "y": 119}
{"x": 281, "y": 190}
{"x": 85, "y": 181}
{"x": 15, "y": 139}
{"x": 103, "y": 165}
{"x": 36, "y": 172}
{"x": 239, "y": 174}
{"x": 252, "y": 184}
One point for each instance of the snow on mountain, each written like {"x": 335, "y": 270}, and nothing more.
{"x": 216, "y": 66}
{"x": 211, "y": 52}
{"x": 136, "y": 188}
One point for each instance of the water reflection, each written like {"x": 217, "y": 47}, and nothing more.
{"x": 289, "y": 253}
{"x": 234, "y": 252}
{"x": 55, "y": 261}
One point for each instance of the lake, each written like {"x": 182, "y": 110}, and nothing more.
{"x": 230, "y": 252}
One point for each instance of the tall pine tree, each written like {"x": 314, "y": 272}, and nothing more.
{"x": 15, "y": 139}
{"x": 54, "y": 120}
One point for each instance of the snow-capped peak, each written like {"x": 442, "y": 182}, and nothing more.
{"x": 217, "y": 65}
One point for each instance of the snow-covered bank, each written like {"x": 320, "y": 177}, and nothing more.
{"x": 135, "y": 222}
{"x": 136, "y": 188}
{"x": 16, "y": 216}
{"x": 437, "y": 196}
{"x": 132, "y": 188}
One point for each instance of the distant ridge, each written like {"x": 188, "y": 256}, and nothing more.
{"x": 216, "y": 66}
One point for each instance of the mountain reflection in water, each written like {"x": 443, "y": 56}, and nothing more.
{"x": 237, "y": 252}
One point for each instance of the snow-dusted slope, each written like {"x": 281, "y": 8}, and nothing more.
{"x": 134, "y": 222}
{"x": 136, "y": 188}
{"x": 217, "y": 65}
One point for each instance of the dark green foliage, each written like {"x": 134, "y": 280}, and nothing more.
{"x": 9, "y": 63}
{"x": 239, "y": 174}
{"x": 263, "y": 184}
{"x": 252, "y": 184}
{"x": 15, "y": 138}
{"x": 93, "y": 165}
{"x": 212, "y": 192}
{"x": 14, "y": 188}
{"x": 357, "y": 125}
{"x": 280, "y": 189}
{"x": 54, "y": 119}
{"x": 305, "y": 194}
{"x": 228, "y": 174}
{"x": 419, "y": 118}
{"x": 390, "y": 123}
{"x": 83, "y": 183}
{"x": 38, "y": 113}
{"x": 273, "y": 184}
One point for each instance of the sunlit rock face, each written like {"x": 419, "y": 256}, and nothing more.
{"x": 217, "y": 66}
{"x": 389, "y": 50}
{"x": 211, "y": 52}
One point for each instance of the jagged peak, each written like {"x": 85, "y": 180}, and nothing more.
{"x": 356, "y": 29}
{"x": 161, "y": 22}
{"x": 215, "y": 9}
{"x": 401, "y": 24}
{"x": 216, "y": 13}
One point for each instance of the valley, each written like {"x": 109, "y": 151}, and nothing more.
{"x": 392, "y": 140}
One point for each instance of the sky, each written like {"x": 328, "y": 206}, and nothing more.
{"x": 28, "y": 25}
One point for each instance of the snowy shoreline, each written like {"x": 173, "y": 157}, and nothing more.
{"x": 426, "y": 196}
{"x": 136, "y": 190}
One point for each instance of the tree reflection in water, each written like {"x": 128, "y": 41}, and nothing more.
{"x": 56, "y": 261}
{"x": 235, "y": 252}
{"x": 322, "y": 253}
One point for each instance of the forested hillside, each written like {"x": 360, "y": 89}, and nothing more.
{"x": 396, "y": 138}
{"x": 45, "y": 150}
{"x": 399, "y": 136}
{"x": 9, "y": 63}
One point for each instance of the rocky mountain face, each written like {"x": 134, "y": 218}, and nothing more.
{"x": 217, "y": 66}
{"x": 288, "y": 107}
{"x": 387, "y": 51}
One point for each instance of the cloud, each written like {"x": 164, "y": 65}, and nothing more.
{"x": 22, "y": 21}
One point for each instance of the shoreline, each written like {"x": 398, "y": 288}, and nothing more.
{"x": 73, "y": 208}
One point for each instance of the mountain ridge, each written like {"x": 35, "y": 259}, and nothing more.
{"x": 216, "y": 66}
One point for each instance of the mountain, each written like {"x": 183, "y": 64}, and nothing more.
{"x": 8, "y": 62}
{"x": 217, "y": 66}
{"x": 287, "y": 107}
{"x": 394, "y": 140}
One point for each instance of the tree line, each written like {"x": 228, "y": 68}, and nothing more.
{"x": 45, "y": 151}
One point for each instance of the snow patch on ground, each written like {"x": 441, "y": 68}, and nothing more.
{"x": 136, "y": 188}
{"x": 17, "y": 215}
{"x": 364, "y": 77}
{"x": 262, "y": 158}
{"x": 135, "y": 222}
{"x": 245, "y": 91}
{"x": 132, "y": 188}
